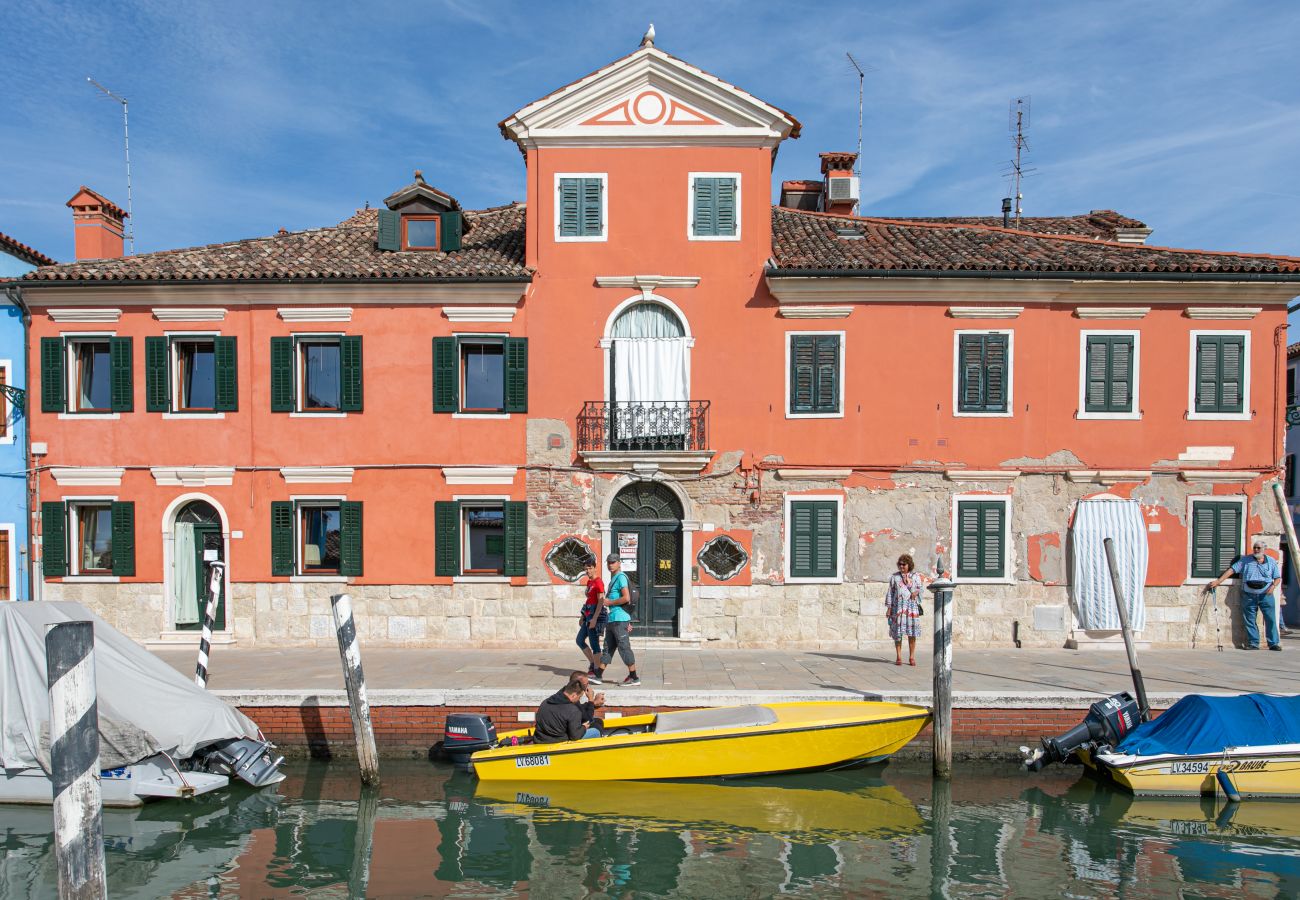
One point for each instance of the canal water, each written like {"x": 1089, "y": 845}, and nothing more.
{"x": 882, "y": 831}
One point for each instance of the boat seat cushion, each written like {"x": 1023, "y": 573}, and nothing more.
{"x": 705, "y": 719}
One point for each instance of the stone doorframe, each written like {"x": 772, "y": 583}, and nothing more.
{"x": 690, "y": 525}
{"x": 168, "y": 630}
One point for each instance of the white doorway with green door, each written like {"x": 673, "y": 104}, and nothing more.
{"x": 195, "y": 528}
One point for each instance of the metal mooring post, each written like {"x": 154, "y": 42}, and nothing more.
{"x": 74, "y": 760}
{"x": 941, "y": 726}
{"x": 215, "y": 572}
{"x": 355, "y": 680}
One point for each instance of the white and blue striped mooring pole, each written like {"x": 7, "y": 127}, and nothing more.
{"x": 215, "y": 571}
{"x": 355, "y": 681}
{"x": 74, "y": 760}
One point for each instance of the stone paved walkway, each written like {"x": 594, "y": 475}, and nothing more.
{"x": 672, "y": 674}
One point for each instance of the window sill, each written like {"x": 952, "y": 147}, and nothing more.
{"x": 303, "y": 414}
{"x": 725, "y": 238}
{"x": 318, "y": 579}
{"x": 473, "y": 415}
{"x": 982, "y": 415}
{"x": 1219, "y": 417}
{"x": 1202, "y": 582}
{"x": 581, "y": 239}
{"x": 1096, "y": 416}
{"x": 480, "y": 579}
{"x": 194, "y": 415}
{"x": 960, "y": 581}
{"x": 73, "y": 416}
{"x": 827, "y": 415}
{"x": 91, "y": 579}
{"x": 793, "y": 580}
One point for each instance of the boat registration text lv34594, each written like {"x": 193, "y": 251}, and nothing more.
{"x": 532, "y": 762}
{"x": 1192, "y": 767}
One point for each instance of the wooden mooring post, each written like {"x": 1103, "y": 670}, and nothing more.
{"x": 74, "y": 760}
{"x": 215, "y": 573}
{"x": 355, "y": 681}
{"x": 941, "y": 724}
{"x": 1120, "y": 603}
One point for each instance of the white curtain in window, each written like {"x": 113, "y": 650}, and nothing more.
{"x": 184, "y": 584}
{"x": 648, "y": 369}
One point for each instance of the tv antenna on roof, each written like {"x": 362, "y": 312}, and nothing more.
{"x": 129, "y": 229}
{"x": 1018, "y": 125}
{"x": 862, "y": 74}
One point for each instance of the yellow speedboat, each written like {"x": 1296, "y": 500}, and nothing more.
{"x": 1260, "y": 771}
{"x": 699, "y": 743}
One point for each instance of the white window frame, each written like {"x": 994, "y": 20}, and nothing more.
{"x": 1008, "y": 557}
{"x": 790, "y": 499}
{"x": 1011, "y": 374}
{"x": 300, "y": 395}
{"x": 1245, "y": 414}
{"x": 12, "y": 530}
{"x": 789, "y": 355}
{"x": 1136, "y": 413}
{"x": 69, "y": 373}
{"x": 498, "y": 338}
{"x": 690, "y": 207}
{"x": 318, "y": 500}
{"x": 1241, "y": 537}
{"x": 71, "y": 506}
{"x": 174, "y": 373}
{"x": 461, "y": 536}
{"x": 6, "y": 408}
{"x": 604, "y": 208}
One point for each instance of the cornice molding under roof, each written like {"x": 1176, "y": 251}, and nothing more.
{"x": 54, "y": 295}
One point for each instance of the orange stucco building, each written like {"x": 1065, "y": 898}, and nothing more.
{"x": 443, "y": 411}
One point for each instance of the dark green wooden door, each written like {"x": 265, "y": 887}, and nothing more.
{"x": 652, "y": 555}
{"x": 207, "y": 537}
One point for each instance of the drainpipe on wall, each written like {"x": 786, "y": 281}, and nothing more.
{"x": 14, "y": 295}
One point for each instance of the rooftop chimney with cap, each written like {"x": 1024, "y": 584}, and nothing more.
{"x": 97, "y": 224}
{"x": 841, "y": 184}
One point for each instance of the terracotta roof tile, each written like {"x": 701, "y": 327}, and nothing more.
{"x": 810, "y": 241}
{"x": 27, "y": 254}
{"x": 492, "y": 248}
{"x": 1293, "y": 351}
{"x": 1103, "y": 224}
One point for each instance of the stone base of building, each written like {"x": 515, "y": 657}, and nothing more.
{"x": 758, "y": 616}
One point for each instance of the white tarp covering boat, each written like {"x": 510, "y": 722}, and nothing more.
{"x": 1094, "y": 596}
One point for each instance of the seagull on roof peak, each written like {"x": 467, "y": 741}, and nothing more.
{"x": 648, "y": 39}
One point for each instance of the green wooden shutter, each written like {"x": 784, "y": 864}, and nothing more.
{"x": 446, "y": 537}
{"x": 1097, "y": 375}
{"x": 997, "y": 368}
{"x": 350, "y": 543}
{"x": 725, "y": 207}
{"x": 1228, "y": 537}
{"x": 826, "y": 528}
{"x": 157, "y": 375}
{"x": 122, "y": 515}
{"x": 706, "y": 207}
{"x": 225, "y": 353}
{"x": 54, "y": 379}
{"x": 1120, "y": 394}
{"x": 54, "y": 536}
{"x": 970, "y": 359}
{"x": 992, "y": 540}
{"x": 350, "y": 373}
{"x": 1109, "y": 373}
{"x": 452, "y": 225}
{"x": 1216, "y": 537}
{"x": 516, "y": 352}
{"x": 801, "y": 540}
{"x": 968, "y": 540}
{"x": 570, "y": 201}
{"x": 390, "y": 230}
{"x": 121, "y": 386}
{"x": 814, "y": 539}
{"x": 1232, "y": 369}
{"x": 281, "y": 538}
{"x": 282, "y": 387}
{"x": 827, "y": 383}
{"x": 446, "y": 376}
{"x": 593, "y": 213}
{"x": 803, "y": 365}
{"x": 516, "y": 555}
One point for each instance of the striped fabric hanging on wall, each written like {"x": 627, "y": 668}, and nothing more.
{"x": 1094, "y": 598}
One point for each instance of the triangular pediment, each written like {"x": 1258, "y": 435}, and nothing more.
{"x": 649, "y": 97}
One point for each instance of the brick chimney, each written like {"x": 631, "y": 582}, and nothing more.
{"x": 841, "y": 184}
{"x": 97, "y": 224}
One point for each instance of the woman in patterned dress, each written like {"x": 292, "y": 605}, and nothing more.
{"x": 902, "y": 607}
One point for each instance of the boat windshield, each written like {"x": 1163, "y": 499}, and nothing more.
{"x": 706, "y": 719}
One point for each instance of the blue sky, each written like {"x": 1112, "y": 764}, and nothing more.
{"x": 249, "y": 117}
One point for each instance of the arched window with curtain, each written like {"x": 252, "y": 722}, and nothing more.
{"x": 649, "y": 385}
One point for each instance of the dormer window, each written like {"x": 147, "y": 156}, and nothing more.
{"x": 421, "y": 232}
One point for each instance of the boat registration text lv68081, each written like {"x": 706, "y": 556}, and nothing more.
{"x": 532, "y": 762}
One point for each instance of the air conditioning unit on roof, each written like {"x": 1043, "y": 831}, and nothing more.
{"x": 842, "y": 189}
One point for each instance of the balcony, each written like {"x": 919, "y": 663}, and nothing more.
{"x": 645, "y": 437}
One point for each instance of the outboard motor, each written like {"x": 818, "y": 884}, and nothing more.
{"x": 467, "y": 733}
{"x": 1107, "y": 723}
{"x": 244, "y": 758}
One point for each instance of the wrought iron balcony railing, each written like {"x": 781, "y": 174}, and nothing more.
{"x": 651, "y": 425}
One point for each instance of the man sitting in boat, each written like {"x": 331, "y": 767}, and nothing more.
{"x": 591, "y": 702}
{"x": 559, "y": 718}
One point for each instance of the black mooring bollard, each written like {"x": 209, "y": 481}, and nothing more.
{"x": 941, "y": 724}
{"x": 355, "y": 681}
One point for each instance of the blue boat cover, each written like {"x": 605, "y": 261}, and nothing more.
{"x": 1198, "y": 725}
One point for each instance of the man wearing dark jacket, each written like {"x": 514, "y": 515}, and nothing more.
{"x": 559, "y": 718}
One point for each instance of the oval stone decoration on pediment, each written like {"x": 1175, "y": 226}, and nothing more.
{"x": 650, "y": 108}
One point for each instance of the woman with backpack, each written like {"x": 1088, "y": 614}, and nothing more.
{"x": 618, "y": 633}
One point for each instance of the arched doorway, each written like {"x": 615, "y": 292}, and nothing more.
{"x": 649, "y": 378}
{"x": 646, "y": 528}
{"x": 197, "y": 529}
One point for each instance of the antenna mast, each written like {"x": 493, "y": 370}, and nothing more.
{"x": 857, "y": 162}
{"x": 1018, "y": 124}
{"x": 129, "y": 230}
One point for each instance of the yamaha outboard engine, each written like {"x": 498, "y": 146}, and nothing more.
{"x": 1106, "y": 724}
{"x": 467, "y": 733}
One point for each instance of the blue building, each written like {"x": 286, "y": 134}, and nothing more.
{"x": 16, "y": 259}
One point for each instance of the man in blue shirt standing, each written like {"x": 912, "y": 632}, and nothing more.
{"x": 618, "y": 632}
{"x": 1260, "y": 577}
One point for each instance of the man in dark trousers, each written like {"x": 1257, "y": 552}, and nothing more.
{"x": 559, "y": 718}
